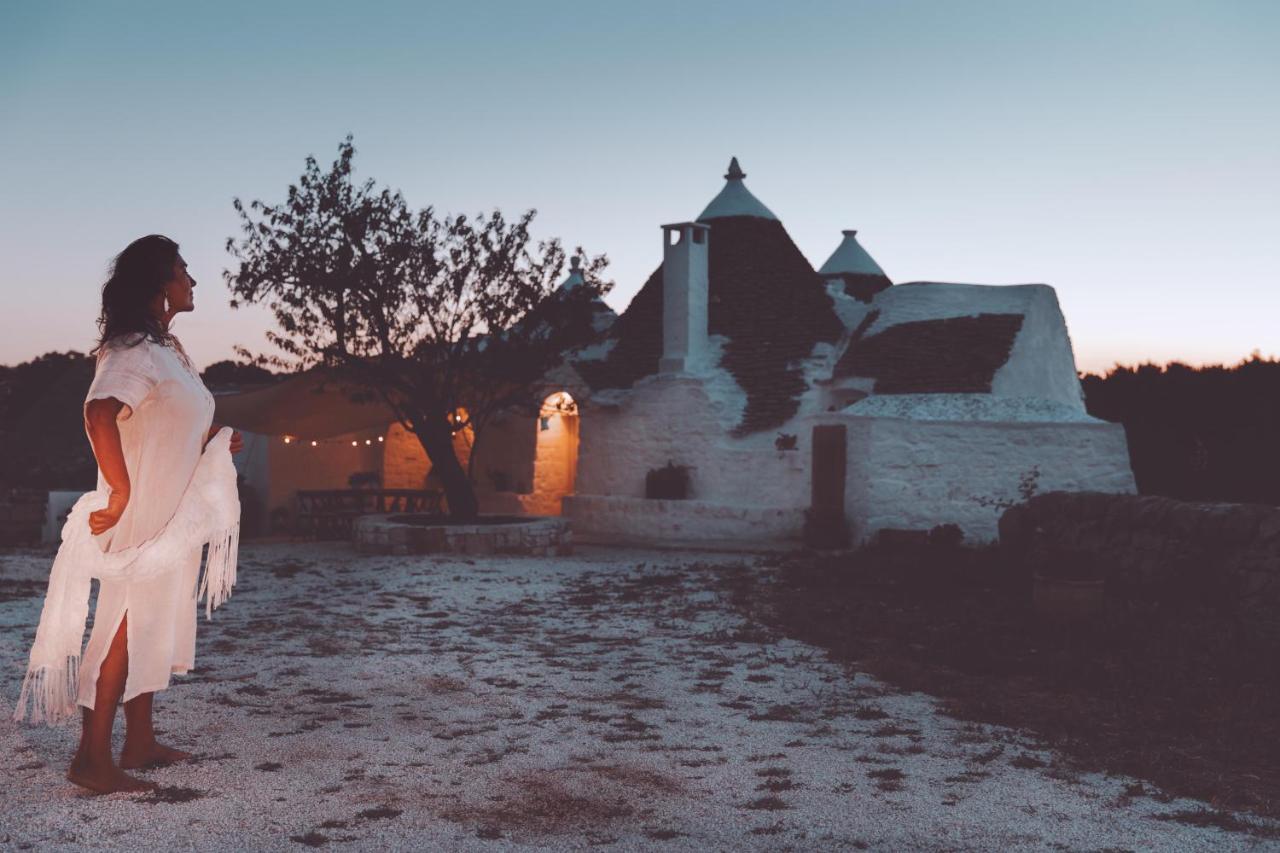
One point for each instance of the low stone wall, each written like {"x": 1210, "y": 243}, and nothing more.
{"x": 534, "y": 536}
{"x": 1153, "y": 549}
{"x": 681, "y": 522}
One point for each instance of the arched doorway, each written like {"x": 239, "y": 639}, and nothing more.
{"x": 555, "y": 464}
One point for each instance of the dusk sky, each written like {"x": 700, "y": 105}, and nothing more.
{"x": 1128, "y": 153}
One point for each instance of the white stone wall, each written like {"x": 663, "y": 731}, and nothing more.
{"x": 758, "y": 491}
{"x": 913, "y": 474}
{"x": 671, "y": 419}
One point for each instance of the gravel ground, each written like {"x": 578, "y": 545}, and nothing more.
{"x": 610, "y": 699}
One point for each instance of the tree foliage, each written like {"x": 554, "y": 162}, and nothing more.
{"x": 42, "y": 422}
{"x": 430, "y": 312}
{"x": 1209, "y": 433}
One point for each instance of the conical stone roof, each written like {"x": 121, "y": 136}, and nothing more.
{"x": 862, "y": 276}
{"x": 764, "y": 297}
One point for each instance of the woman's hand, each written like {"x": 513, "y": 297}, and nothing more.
{"x": 107, "y": 518}
{"x": 237, "y": 440}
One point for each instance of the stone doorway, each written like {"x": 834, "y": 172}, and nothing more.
{"x": 825, "y": 524}
{"x": 555, "y": 464}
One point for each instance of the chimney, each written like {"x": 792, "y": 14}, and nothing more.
{"x": 684, "y": 297}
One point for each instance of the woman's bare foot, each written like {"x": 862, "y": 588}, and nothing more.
{"x": 152, "y": 755}
{"x": 105, "y": 778}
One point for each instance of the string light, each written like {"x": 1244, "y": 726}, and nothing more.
{"x": 317, "y": 442}
{"x": 457, "y": 425}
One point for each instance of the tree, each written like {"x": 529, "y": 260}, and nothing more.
{"x": 1197, "y": 433}
{"x": 434, "y": 314}
{"x": 42, "y": 421}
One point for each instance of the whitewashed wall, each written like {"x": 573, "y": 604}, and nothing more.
{"x": 672, "y": 419}
{"x": 913, "y": 474}
{"x": 754, "y": 487}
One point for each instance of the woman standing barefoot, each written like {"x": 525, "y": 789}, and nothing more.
{"x": 148, "y": 417}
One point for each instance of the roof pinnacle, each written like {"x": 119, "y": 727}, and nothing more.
{"x": 735, "y": 199}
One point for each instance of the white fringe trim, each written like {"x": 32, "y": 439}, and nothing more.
{"x": 51, "y": 692}
{"x": 220, "y": 569}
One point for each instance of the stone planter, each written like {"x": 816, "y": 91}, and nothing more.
{"x": 404, "y": 534}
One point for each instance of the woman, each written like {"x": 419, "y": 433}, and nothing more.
{"x": 148, "y": 417}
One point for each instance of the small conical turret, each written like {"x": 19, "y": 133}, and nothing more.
{"x": 862, "y": 276}
{"x": 575, "y": 277}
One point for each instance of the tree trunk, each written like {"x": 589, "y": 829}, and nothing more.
{"x": 437, "y": 441}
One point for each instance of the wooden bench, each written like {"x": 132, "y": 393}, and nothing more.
{"x": 329, "y": 513}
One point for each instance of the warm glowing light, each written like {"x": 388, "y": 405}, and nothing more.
{"x": 368, "y": 441}
{"x": 379, "y": 438}
{"x": 288, "y": 439}
{"x": 559, "y": 403}
{"x": 314, "y": 443}
{"x": 355, "y": 443}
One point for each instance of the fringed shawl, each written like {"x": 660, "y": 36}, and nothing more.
{"x": 207, "y": 514}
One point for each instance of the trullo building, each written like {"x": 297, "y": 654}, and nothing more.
{"x": 779, "y": 389}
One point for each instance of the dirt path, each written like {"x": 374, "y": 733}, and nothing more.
{"x": 611, "y": 699}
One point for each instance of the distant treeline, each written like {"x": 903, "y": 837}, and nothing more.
{"x": 42, "y": 423}
{"x": 1206, "y": 434}
{"x": 1210, "y": 433}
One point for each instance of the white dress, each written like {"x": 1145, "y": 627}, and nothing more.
{"x": 163, "y": 426}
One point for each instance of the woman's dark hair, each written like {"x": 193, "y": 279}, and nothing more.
{"x": 137, "y": 275}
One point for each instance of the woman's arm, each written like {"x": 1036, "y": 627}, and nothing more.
{"x": 104, "y": 437}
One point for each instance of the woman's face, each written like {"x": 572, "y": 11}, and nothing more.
{"x": 179, "y": 289}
